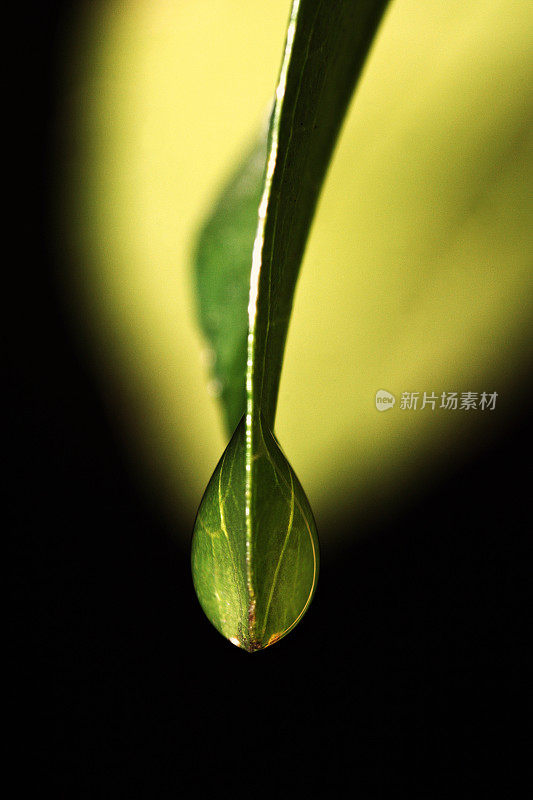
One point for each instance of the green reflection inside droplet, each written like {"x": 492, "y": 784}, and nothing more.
{"x": 254, "y": 589}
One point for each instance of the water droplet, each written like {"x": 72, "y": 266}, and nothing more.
{"x": 255, "y": 549}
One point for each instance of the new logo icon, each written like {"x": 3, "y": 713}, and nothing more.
{"x": 384, "y": 400}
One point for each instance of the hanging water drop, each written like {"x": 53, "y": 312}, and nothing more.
{"x": 255, "y": 549}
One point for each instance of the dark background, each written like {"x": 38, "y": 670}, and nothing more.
{"x": 407, "y": 672}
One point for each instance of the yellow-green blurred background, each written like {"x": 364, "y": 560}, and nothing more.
{"x": 417, "y": 275}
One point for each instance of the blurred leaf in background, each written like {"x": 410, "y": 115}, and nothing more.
{"x": 223, "y": 259}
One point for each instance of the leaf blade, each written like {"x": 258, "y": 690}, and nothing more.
{"x": 331, "y": 41}
{"x": 271, "y": 527}
{"x": 326, "y": 47}
{"x": 221, "y": 262}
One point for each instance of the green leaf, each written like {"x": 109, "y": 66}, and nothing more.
{"x": 255, "y": 549}
{"x": 327, "y": 42}
{"x": 222, "y": 272}
{"x": 324, "y": 55}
